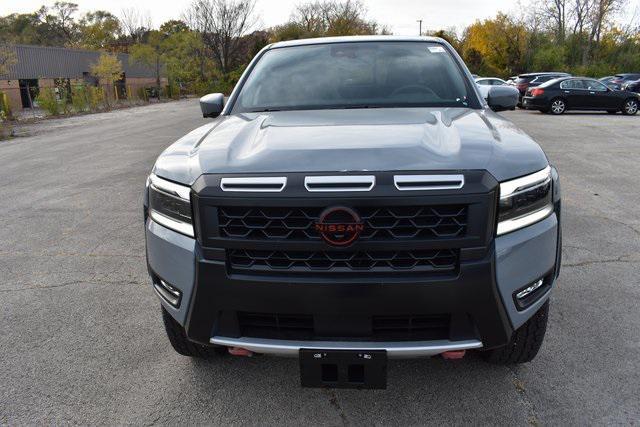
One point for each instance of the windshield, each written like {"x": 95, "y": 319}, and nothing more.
{"x": 353, "y": 75}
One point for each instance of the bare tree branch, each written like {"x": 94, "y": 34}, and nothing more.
{"x": 135, "y": 23}
{"x": 222, "y": 23}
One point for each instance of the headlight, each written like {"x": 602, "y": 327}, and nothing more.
{"x": 525, "y": 201}
{"x": 170, "y": 205}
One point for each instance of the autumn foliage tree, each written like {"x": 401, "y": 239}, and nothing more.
{"x": 496, "y": 46}
{"x": 108, "y": 69}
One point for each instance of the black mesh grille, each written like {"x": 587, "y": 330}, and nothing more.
{"x": 277, "y": 326}
{"x": 432, "y": 327}
{"x": 386, "y": 223}
{"x": 442, "y": 260}
{"x": 383, "y": 328}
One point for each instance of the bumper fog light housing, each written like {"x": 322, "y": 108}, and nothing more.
{"x": 530, "y": 289}
{"x": 525, "y": 297}
{"x": 170, "y": 294}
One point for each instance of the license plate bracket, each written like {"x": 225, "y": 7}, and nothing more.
{"x": 365, "y": 369}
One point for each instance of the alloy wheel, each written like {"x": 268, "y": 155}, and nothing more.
{"x": 631, "y": 107}
{"x": 558, "y": 106}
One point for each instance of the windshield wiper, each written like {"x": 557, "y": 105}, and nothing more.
{"x": 348, "y": 107}
{"x": 263, "y": 110}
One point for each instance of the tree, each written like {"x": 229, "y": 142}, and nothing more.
{"x": 556, "y": 12}
{"x": 108, "y": 69}
{"x": 185, "y": 60}
{"x": 347, "y": 18}
{"x": 99, "y": 30}
{"x": 56, "y": 25}
{"x": 150, "y": 53}
{"x": 601, "y": 13}
{"x": 174, "y": 26}
{"x": 7, "y": 59}
{"x": 221, "y": 24}
{"x": 330, "y": 18}
{"x": 581, "y": 9}
{"x": 18, "y": 28}
{"x": 448, "y": 35}
{"x": 501, "y": 43}
{"x": 135, "y": 24}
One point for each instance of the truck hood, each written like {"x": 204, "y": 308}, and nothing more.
{"x": 390, "y": 139}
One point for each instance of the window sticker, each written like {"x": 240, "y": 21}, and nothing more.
{"x": 436, "y": 49}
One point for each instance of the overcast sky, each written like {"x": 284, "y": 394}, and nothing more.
{"x": 399, "y": 16}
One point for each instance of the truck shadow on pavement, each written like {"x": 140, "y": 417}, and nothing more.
{"x": 429, "y": 389}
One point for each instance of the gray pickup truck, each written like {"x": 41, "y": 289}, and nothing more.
{"x": 355, "y": 199}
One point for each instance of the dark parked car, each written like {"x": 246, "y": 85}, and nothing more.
{"x": 525, "y": 81}
{"x": 633, "y": 86}
{"x": 607, "y": 81}
{"x": 619, "y": 80}
{"x": 580, "y": 93}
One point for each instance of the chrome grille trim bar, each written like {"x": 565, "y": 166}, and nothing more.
{"x": 254, "y": 184}
{"x": 339, "y": 183}
{"x": 428, "y": 182}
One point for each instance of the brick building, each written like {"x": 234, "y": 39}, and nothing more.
{"x": 45, "y": 67}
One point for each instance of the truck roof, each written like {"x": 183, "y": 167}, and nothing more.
{"x": 346, "y": 39}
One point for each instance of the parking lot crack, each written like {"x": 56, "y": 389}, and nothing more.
{"x": 620, "y": 259}
{"x": 532, "y": 413}
{"x": 72, "y": 254}
{"x": 333, "y": 400}
{"x": 629, "y": 226}
{"x": 31, "y": 286}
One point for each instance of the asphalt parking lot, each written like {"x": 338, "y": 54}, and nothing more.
{"x": 82, "y": 339}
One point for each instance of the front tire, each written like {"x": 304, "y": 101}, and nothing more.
{"x": 630, "y": 107}
{"x": 558, "y": 106}
{"x": 525, "y": 341}
{"x": 182, "y": 345}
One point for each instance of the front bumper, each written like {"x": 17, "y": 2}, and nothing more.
{"x": 483, "y": 289}
{"x": 478, "y": 297}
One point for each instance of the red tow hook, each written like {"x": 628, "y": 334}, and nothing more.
{"x": 238, "y": 351}
{"x": 453, "y": 355}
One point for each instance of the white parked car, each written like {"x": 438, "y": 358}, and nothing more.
{"x": 485, "y": 83}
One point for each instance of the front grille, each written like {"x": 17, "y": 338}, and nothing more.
{"x": 380, "y": 223}
{"x": 383, "y": 328}
{"x": 442, "y": 260}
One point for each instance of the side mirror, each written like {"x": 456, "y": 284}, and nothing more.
{"x": 501, "y": 98}
{"x": 212, "y": 105}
